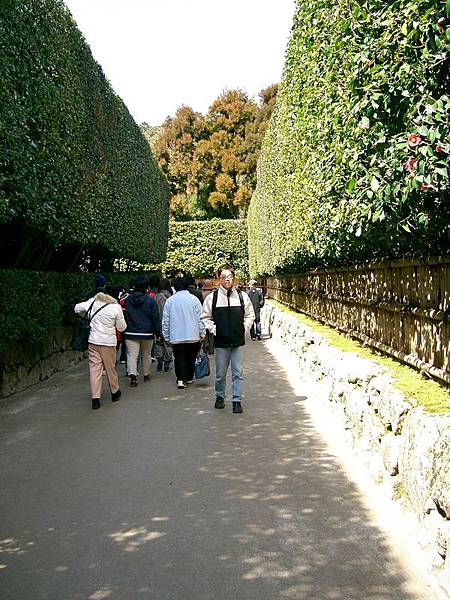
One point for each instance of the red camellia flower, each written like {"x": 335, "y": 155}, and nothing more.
{"x": 438, "y": 149}
{"x": 424, "y": 186}
{"x": 409, "y": 165}
{"x": 414, "y": 140}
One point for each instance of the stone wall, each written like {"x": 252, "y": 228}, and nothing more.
{"x": 400, "y": 444}
{"x": 27, "y": 364}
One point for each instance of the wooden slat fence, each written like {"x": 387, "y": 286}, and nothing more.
{"x": 399, "y": 307}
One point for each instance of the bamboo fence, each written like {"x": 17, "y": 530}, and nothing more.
{"x": 399, "y": 307}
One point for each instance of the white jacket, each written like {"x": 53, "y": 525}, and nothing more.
{"x": 105, "y": 323}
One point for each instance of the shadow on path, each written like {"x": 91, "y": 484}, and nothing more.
{"x": 160, "y": 496}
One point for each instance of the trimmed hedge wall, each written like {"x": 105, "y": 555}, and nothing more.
{"x": 32, "y": 304}
{"x": 201, "y": 247}
{"x": 74, "y": 164}
{"x": 354, "y": 164}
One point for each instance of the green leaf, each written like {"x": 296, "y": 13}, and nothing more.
{"x": 351, "y": 185}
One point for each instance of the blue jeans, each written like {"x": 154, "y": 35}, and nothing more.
{"x": 222, "y": 358}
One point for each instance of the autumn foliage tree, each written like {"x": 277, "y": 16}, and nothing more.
{"x": 210, "y": 160}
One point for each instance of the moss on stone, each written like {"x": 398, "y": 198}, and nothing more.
{"x": 432, "y": 396}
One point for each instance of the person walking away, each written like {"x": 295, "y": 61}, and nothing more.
{"x": 115, "y": 291}
{"x": 100, "y": 285}
{"x": 107, "y": 317}
{"x": 183, "y": 328}
{"x": 122, "y": 297}
{"x": 163, "y": 350}
{"x": 142, "y": 317}
{"x": 228, "y": 314}
{"x": 257, "y": 300}
{"x": 121, "y": 294}
{"x": 192, "y": 288}
{"x": 153, "y": 288}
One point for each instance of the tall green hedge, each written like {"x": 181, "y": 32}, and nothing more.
{"x": 200, "y": 247}
{"x": 73, "y": 163}
{"x": 33, "y": 304}
{"x": 355, "y": 160}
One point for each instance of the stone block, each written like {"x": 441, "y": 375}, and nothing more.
{"x": 390, "y": 451}
{"x": 354, "y": 369}
{"x": 424, "y": 459}
{"x": 430, "y": 532}
{"x": 443, "y": 538}
{"x": 391, "y": 406}
{"x": 373, "y": 430}
{"x": 354, "y": 404}
{"x": 441, "y": 485}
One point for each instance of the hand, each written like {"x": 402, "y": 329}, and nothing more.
{"x": 202, "y": 337}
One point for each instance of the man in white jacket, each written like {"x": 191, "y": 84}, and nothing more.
{"x": 228, "y": 314}
{"x": 107, "y": 316}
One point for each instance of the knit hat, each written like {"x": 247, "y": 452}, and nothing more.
{"x": 100, "y": 280}
{"x": 252, "y": 282}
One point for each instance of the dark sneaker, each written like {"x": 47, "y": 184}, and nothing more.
{"x": 116, "y": 396}
{"x": 147, "y": 377}
{"x": 133, "y": 381}
{"x": 159, "y": 366}
{"x": 258, "y": 337}
{"x": 219, "y": 403}
{"x": 167, "y": 367}
{"x": 237, "y": 407}
{"x": 95, "y": 403}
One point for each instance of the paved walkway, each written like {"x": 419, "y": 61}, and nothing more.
{"x": 161, "y": 497}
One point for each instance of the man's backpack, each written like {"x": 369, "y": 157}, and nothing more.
{"x": 80, "y": 336}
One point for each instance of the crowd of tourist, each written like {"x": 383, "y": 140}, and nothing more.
{"x": 169, "y": 322}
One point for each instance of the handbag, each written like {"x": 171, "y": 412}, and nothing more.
{"x": 201, "y": 366}
{"x": 80, "y": 336}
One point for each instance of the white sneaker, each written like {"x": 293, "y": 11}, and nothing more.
{"x": 180, "y": 384}
{"x": 191, "y": 381}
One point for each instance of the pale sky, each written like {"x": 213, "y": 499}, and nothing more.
{"x": 160, "y": 54}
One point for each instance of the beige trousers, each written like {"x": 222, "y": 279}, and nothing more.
{"x": 133, "y": 349}
{"x": 102, "y": 357}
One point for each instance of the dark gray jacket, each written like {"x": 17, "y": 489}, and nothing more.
{"x": 257, "y": 301}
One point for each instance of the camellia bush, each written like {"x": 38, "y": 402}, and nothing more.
{"x": 355, "y": 162}
{"x": 74, "y": 166}
{"x": 201, "y": 247}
